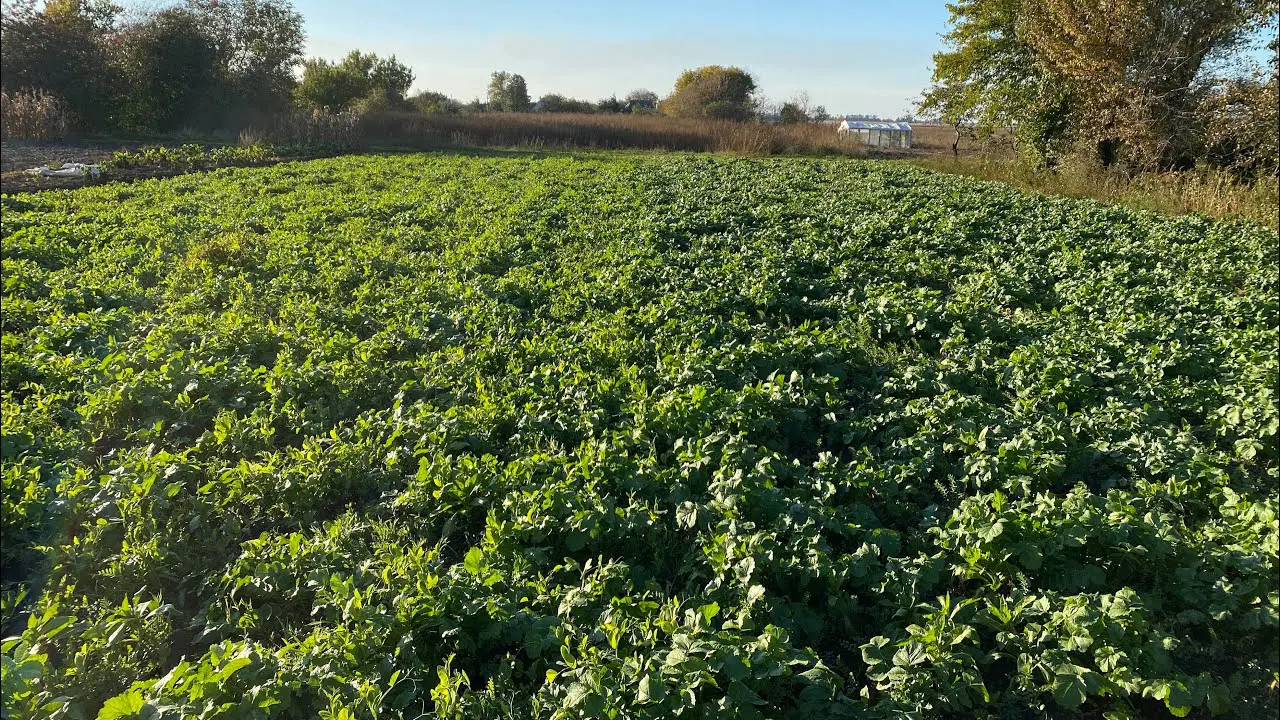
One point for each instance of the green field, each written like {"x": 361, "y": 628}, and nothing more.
{"x": 633, "y": 436}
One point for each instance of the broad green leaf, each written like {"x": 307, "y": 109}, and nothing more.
{"x": 124, "y": 705}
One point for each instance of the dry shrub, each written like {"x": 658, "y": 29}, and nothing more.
{"x": 32, "y": 115}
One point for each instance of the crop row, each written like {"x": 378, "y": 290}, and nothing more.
{"x": 633, "y": 436}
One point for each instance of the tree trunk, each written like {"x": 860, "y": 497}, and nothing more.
{"x": 1107, "y": 150}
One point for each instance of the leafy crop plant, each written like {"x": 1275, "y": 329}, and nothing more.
{"x": 633, "y": 437}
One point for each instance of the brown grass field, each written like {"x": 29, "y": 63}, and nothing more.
{"x": 566, "y": 130}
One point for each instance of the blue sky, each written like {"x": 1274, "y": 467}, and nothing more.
{"x": 851, "y": 56}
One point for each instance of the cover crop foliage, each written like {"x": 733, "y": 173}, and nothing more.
{"x": 633, "y": 437}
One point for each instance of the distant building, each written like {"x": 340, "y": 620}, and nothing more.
{"x": 876, "y": 134}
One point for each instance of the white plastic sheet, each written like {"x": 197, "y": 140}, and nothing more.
{"x": 67, "y": 170}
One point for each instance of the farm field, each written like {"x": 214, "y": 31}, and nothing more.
{"x": 634, "y": 436}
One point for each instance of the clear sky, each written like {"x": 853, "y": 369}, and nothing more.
{"x": 852, "y": 56}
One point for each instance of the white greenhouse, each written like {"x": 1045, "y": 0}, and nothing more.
{"x": 876, "y": 134}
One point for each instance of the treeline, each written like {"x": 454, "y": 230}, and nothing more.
{"x": 201, "y": 64}
{"x": 364, "y": 82}
{"x": 88, "y": 66}
{"x": 1140, "y": 86}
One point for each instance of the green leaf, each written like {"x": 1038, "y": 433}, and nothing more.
{"x": 743, "y": 695}
{"x": 474, "y": 561}
{"x": 1029, "y": 556}
{"x": 913, "y": 653}
{"x": 652, "y": 689}
{"x": 124, "y": 705}
{"x": 232, "y": 667}
{"x": 1179, "y": 700}
{"x": 734, "y": 668}
{"x": 709, "y": 611}
{"x": 1218, "y": 699}
{"x": 577, "y": 693}
{"x": 687, "y": 515}
{"x": 1072, "y": 685}
{"x": 876, "y": 652}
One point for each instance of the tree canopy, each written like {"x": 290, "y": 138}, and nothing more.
{"x": 1121, "y": 74}
{"x": 712, "y": 91}
{"x": 508, "y": 92}
{"x": 358, "y": 77}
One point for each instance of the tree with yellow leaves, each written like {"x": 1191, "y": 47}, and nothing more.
{"x": 1125, "y": 76}
{"x": 1133, "y": 66}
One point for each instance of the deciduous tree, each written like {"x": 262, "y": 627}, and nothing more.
{"x": 259, "y": 45}
{"x": 62, "y": 48}
{"x": 508, "y": 92}
{"x": 1132, "y": 66}
{"x": 712, "y": 91}
{"x": 169, "y": 67}
{"x": 988, "y": 76}
{"x": 381, "y": 83}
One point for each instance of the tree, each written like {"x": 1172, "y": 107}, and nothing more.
{"x": 552, "y": 102}
{"x": 434, "y": 102}
{"x": 610, "y": 104}
{"x": 62, "y": 49}
{"x": 712, "y": 91}
{"x": 1241, "y": 115}
{"x": 792, "y": 113}
{"x": 168, "y": 65}
{"x": 642, "y": 95}
{"x": 508, "y": 92}
{"x": 1132, "y": 65}
{"x": 103, "y": 63}
{"x": 799, "y": 109}
{"x": 362, "y": 79}
{"x": 259, "y": 45}
{"x": 989, "y": 77}
{"x": 1124, "y": 76}
{"x": 98, "y": 14}
{"x": 641, "y": 101}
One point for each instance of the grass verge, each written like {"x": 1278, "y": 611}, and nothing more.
{"x": 1207, "y": 192}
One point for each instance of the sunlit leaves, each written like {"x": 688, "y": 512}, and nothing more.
{"x": 640, "y": 436}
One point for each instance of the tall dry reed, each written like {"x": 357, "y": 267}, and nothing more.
{"x": 305, "y": 128}
{"x": 1210, "y": 192}
{"x": 32, "y": 115}
{"x": 557, "y": 130}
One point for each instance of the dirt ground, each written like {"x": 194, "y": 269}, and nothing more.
{"x": 16, "y": 156}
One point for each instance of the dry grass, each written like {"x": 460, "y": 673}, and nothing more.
{"x": 561, "y": 130}
{"x": 32, "y": 115}
{"x": 303, "y": 128}
{"x": 931, "y": 137}
{"x": 1209, "y": 192}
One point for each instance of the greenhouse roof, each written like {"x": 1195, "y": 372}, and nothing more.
{"x": 869, "y": 125}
